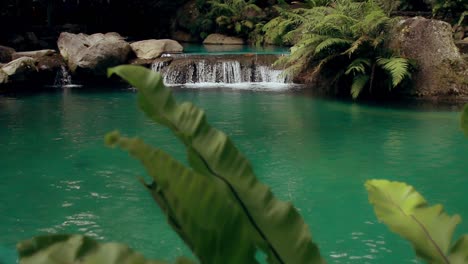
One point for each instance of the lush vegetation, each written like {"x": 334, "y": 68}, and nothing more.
{"x": 223, "y": 213}
{"x": 344, "y": 41}
{"x": 232, "y": 17}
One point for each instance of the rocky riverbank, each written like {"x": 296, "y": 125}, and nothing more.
{"x": 442, "y": 69}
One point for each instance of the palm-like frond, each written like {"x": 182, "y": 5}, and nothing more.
{"x": 358, "y": 66}
{"x": 396, "y": 67}
{"x": 332, "y": 43}
{"x": 356, "y": 45}
{"x": 359, "y": 82}
{"x": 373, "y": 23}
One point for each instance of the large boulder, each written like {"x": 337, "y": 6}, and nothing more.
{"x": 48, "y": 64}
{"x": 441, "y": 69}
{"x": 6, "y": 54}
{"x": 20, "y": 69}
{"x": 153, "y": 48}
{"x": 219, "y": 39}
{"x": 93, "y": 54}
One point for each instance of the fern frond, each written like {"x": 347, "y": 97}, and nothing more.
{"x": 359, "y": 82}
{"x": 330, "y": 43}
{"x": 248, "y": 24}
{"x": 375, "y": 22}
{"x": 223, "y": 20}
{"x": 356, "y": 45}
{"x": 252, "y": 7}
{"x": 396, "y": 67}
{"x": 358, "y": 66}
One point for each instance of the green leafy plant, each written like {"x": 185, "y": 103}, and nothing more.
{"x": 80, "y": 249}
{"x": 233, "y": 17}
{"x": 449, "y": 9}
{"x": 346, "y": 40}
{"x": 428, "y": 228}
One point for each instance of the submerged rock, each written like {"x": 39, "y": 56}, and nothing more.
{"x": 441, "y": 69}
{"x": 93, "y": 54}
{"x": 219, "y": 39}
{"x": 153, "y": 48}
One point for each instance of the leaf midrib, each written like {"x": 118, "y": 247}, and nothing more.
{"x": 416, "y": 220}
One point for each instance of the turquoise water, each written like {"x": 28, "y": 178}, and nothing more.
{"x": 57, "y": 176}
{"x": 197, "y": 49}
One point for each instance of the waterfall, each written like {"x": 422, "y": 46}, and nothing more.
{"x": 215, "y": 70}
{"x": 63, "y": 78}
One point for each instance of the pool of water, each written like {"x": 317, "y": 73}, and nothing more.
{"x": 200, "y": 49}
{"x": 58, "y": 177}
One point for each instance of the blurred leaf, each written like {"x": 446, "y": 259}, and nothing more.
{"x": 200, "y": 209}
{"x": 278, "y": 228}
{"x": 65, "y": 249}
{"x": 459, "y": 252}
{"x": 428, "y": 228}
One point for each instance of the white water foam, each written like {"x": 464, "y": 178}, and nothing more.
{"x": 223, "y": 74}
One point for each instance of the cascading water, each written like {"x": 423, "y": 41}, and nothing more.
{"x": 219, "y": 71}
{"x": 63, "y": 78}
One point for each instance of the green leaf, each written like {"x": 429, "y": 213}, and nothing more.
{"x": 199, "y": 208}
{"x": 282, "y": 233}
{"x": 464, "y": 120}
{"x": 428, "y": 228}
{"x": 64, "y": 249}
{"x": 396, "y": 67}
{"x": 358, "y": 66}
{"x": 358, "y": 85}
{"x": 330, "y": 43}
{"x": 459, "y": 252}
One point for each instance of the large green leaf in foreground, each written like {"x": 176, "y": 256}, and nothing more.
{"x": 200, "y": 209}
{"x": 464, "y": 120}
{"x": 68, "y": 249}
{"x": 428, "y": 228}
{"x": 277, "y": 227}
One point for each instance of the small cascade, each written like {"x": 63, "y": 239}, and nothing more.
{"x": 157, "y": 66}
{"x": 63, "y": 78}
{"x": 207, "y": 70}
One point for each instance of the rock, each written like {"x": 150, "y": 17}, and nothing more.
{"x": 48, "y": 63}
{"x": 20, "y": 69}
{"x": 33, "y": 54}
{"x": 220, "y": 39}
{"x": 3, "y": 77}
{"x": 93, "y": 54}
{"x": 153, "y": 48}
{"x": 429, "y": 42}
{"x": 6, "y": 54}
